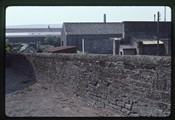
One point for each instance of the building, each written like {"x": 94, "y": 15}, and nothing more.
{"x": 128, "y": 50}
{"x": 145, "y": 29}
{"x": 96, "y": 36}
{"x": 148, "y": 46}
{"x": 144, "y": 34}
{"x": 27, "y": 49}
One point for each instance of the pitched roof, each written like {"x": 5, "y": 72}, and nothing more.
{"x": 93, "y": 28}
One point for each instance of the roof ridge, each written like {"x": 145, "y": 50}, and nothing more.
{"x": 91, "y": 22}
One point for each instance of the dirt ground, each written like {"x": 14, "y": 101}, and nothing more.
{"x": 25, "y": 99}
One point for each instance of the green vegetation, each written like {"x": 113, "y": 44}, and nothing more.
{"x": 8, "y": 46}
{"x": 53, "y": 40}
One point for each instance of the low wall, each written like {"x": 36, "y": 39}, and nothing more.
{"x": 128, "y": 85}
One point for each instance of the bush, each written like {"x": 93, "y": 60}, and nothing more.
{"x": 8, "y": 46}
{"x": 53, "y": 40}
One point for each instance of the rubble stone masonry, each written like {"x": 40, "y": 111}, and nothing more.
{"x": 128, "y": 85}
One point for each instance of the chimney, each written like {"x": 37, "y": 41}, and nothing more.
{"x": 104, "y": 18}
{"x": 154, "y": 17}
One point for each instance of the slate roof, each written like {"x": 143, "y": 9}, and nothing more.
{"x": 93, "y": 28}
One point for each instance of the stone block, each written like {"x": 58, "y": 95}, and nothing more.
{"x": 113, "y": 106}
{"x": 147, "y": 111}
{"x": 126, "y": 111}
{"x": 166, "y": 97}
{"x": 134, "y": 115}
{"x": 108, "y": 64}
{"x": 153, "y": 95}
{"x": 166, "y": 113}
{"x": 136, "y": 109}
{"x": 99, "y": 104}
{"x": 111, "y": 100}
{"x": 120, "y": 103}
{"x": 162, "y": 106}
{"x": 125, "y": 99}
{"x": 128, "y": 106}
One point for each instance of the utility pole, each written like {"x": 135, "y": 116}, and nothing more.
{"x": 158, "y": 18}
{"x": 83, "y": 46}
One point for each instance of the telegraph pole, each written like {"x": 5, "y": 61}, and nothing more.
{"x": 83, "y": 46}
{"x": 158, "y": 18}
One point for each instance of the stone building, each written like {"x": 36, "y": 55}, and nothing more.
{"x": 148, "y": 46}
{"x": 96, "y": 36}
{"x": 143, "y": 35}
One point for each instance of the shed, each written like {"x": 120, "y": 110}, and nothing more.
{"x": 62, "y": 49}
{"x": 96, "y": 36}
{"x": 148, "y": 46}
{"x": 128, "y": 50}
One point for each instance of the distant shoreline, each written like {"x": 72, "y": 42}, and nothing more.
{"x": 35, "y": 26}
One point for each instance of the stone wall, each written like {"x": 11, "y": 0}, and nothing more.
{"x": 128, "y": 85}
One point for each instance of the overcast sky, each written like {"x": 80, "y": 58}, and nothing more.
{"x": 58, "y": 15}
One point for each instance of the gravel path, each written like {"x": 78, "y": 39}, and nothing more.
{"x": 25, "y": 98}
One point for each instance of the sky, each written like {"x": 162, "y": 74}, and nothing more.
{"x": 57, "y": 15}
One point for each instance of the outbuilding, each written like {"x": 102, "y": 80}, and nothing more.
{"x": 94, "y": 37}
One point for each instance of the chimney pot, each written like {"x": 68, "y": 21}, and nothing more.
{"x": 104, "y": 18}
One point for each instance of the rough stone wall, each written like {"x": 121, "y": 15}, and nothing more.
{"x": 128, "y": 85}
{"x": 95, "y": 46}
{"x": 21, "y": 63}
{"x": 63, "y": 36}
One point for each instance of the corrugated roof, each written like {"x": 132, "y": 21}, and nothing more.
{"x": 23, "y": 47}
{"x": 93, "y": 28}
{"x": 148, "y": 42}
{"x": 53, "y": 49}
